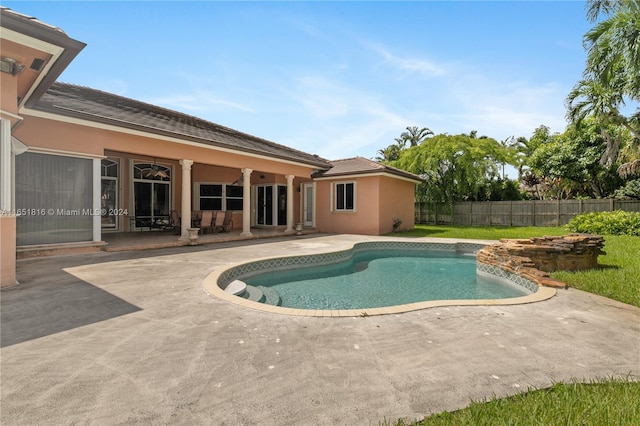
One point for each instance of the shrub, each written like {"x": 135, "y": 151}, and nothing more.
{"x": 611, "y": 223}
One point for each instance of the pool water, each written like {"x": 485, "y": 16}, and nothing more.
{"x": 378, "y": 278}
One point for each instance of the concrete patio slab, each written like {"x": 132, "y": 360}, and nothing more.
{"x": 132, "y": 338}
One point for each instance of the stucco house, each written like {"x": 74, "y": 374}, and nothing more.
{"x": 76, "y": 163}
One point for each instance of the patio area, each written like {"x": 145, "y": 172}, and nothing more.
{"x": 145, "y": 240}
{"x": 132, "y": 338}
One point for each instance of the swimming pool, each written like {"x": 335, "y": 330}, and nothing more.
{"x": 381, "y": 277}
{"x": 221, "y": 280}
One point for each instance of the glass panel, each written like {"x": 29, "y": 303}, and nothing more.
{"x": 108, "y": 202}
{"x": 54, "y": 199}
{"x": 282, "y": 205}
{"x": 142, "y": 196}
{"x": 268, "y": 202}
{"x": 109, "y": 168}
{"x": 210, "y": 204}
{"x": 340, "y": 196}
{"x": 349, "y": 196}
{"x": 260, "y": 205}
{"x": 153, "y": 171}
{"x": 308, "y": 204}
{"x": 234, "y": 204}
{"x": 160, "y": 204}
{"x": 234, "y": 191}
{"x": 211, "y": 190}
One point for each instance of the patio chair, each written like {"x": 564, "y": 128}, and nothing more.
{"x": 228, "y": 220}
{"x": 206, "y": 223}
{"x": 175, "y": 221}
{"x": 219, "y": 223}
{"x": 196, "y": 217}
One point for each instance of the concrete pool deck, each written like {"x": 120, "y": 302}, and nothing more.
{"x": 132, "y": 338}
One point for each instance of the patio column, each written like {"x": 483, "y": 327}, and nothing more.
{"x": 289, "y": 229}
{"x": 185, "y": 219}
{"x": 246, "y": 202}
{"x": 6, "y": 177}
{"x": 96, "y": 200}
{"x": 7, "y": 216}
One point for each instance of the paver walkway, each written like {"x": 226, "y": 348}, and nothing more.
{"x": 132, "y": 338}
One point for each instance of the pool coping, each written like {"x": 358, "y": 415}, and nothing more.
{"x": 210, "y": 285}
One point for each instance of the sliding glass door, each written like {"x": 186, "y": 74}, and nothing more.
{"x": 152, "y": 195}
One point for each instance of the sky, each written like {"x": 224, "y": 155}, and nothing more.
{"x": 337, "y": 79}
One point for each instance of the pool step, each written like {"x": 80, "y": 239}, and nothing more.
{"x": 272, "y": 297}
{"x": 254, "y": 294}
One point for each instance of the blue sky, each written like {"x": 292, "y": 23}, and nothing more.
{"x": 337, "y": 79}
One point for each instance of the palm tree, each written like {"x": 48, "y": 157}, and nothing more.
{"x": 592, "y": 98}
{"x": 612, "y": 72}
{"x": 613, "y": 45}
{"x": 414, "y": 135}
{"x": 388, "y": 154}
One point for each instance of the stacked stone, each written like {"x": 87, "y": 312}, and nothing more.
{"x": 534, "y": 258}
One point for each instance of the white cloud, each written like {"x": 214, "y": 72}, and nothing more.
{"x": 406, "y": 65}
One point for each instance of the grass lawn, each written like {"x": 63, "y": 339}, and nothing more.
{"x": 602, "y": 403}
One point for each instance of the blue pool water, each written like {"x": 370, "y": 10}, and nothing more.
{"x": 377, "y": 278}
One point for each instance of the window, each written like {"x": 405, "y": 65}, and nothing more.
{"x": 345, "y": 196}
{"x": 210, "y": 197}
{"x": 54, "y": 195}
{"x": 218, "y": 196}
{"x": 109, "y": 195}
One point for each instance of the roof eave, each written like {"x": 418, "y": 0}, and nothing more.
{"x": 39, "y": 31}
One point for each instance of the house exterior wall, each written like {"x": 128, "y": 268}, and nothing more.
{"x": 396, "y": 201}
{"x": 363, "y": 220}
{"x": 379, "y": 199}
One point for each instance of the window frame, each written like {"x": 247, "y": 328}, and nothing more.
{"x": 224, "y": 198}
{"x": 336, "y": 193}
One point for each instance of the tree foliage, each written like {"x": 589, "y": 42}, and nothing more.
{"x": 568, "y": 164}
{"x": 455, "y": 167}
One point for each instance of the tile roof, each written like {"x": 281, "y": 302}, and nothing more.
{"x": 361, "y": 165}
{"x": 106, "y": 108}
{"x": 8, "y": 12}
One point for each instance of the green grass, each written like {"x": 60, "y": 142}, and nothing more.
{"x": 619, "y": 275}
{"x": 603, "y": 402}
{"x": 481, "y": 232}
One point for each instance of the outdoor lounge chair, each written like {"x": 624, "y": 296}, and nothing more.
{"x": 206, "y": 223}
{"x": 219, "y": 223}
{"x": 228, "y": 220}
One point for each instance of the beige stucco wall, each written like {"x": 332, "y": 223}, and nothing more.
{"x": 7, "y": 251}
{"x": 378, "y": 200}
{"x": 9, "y": 93}
{"x": 46, "y": 133}
{"x": 396, "y": 200}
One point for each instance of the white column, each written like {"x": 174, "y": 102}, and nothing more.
{"x": 185, "y": 218}
{"x": 97, "y": 201}
{"x": 289, "y": 229}
{"x": 246, "y": 202}
{"x": 6, "y": 180}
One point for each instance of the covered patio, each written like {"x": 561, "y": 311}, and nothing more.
{"x": 126, "y": 241}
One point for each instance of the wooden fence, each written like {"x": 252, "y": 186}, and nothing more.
{"x": 516, "y": 213}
